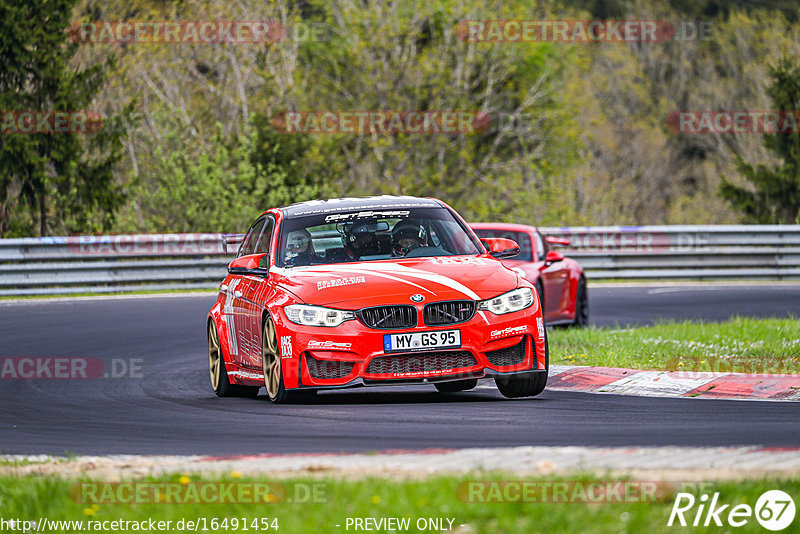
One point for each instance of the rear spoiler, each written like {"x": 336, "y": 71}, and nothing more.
{"x": 232, "y": 239}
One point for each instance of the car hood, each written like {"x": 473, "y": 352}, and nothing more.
{"x": 375, "y": 283}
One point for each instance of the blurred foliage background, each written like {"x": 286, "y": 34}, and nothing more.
{"x": 584, "y": 140}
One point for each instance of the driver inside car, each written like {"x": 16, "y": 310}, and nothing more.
{"x": 407, "y": 236}
{"x": 299, "y": 249}
{"x": 360, "y": 240}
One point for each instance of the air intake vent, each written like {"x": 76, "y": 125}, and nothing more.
{"x": 452, "y": 312}
{"x": 328, "y": 369}
{"x": 389, "y": 317}
{"x": 420, "y": 362}
{"x": 513, "y": 355}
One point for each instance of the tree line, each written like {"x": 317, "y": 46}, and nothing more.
{"x": 575, "y": 132}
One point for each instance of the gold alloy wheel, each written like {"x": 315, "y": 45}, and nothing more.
{"x": 214, "y": 356}
{"x": 270, "y": 359}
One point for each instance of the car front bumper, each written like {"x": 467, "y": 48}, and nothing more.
{"x": 353, "y": 354}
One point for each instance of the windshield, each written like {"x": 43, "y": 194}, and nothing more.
{"x": 522, "y": 239}
{"x": 373, "y": 235}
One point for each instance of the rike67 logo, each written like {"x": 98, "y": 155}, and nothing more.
{"x": 774, "y": 510}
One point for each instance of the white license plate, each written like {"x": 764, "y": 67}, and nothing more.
{"x": 441, "y": 339}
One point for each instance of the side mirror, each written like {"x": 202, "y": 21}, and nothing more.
{"x": 252, "y": 264}
{"x": 500, "y": 247}
{"x": 551, "y": 258}
{"x": 560, "y": 241}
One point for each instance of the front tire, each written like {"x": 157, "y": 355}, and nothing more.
{"x": 540, "y": 292}
{"x": 220, "y": 382}
{"x": 456, "y": 385}
{"x": 581, "y": 305}
{"x": 273, "y": 369}
{"x": 528, "y": 384}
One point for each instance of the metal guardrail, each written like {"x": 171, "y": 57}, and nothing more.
{"x": 105, "y": 264}
{"x": 59, "y": 265}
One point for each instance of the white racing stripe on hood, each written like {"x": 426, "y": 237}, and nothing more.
{"x": 390, "y": 277}
{"x": 379, "y": 269}
{"x": 432, "y": 277}
{"x": 354, "y": 270}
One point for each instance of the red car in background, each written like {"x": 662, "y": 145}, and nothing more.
{"x": 559, "y": 280}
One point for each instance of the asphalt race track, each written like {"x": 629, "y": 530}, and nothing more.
{"x": 708, "y": 302}
{"x": 171, "y": 410}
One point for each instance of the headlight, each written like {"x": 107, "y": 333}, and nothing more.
{"x": 515, "y": 300}
{"x": 317, "y": 315}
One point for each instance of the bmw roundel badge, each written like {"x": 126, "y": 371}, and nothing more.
{"x": 417, "y": 298}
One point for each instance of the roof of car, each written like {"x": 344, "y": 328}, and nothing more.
{"x": 337, "y": 205}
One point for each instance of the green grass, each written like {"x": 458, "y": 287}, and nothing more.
{"x": 29, "y": 498}
{"x": 741, "y": 345}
